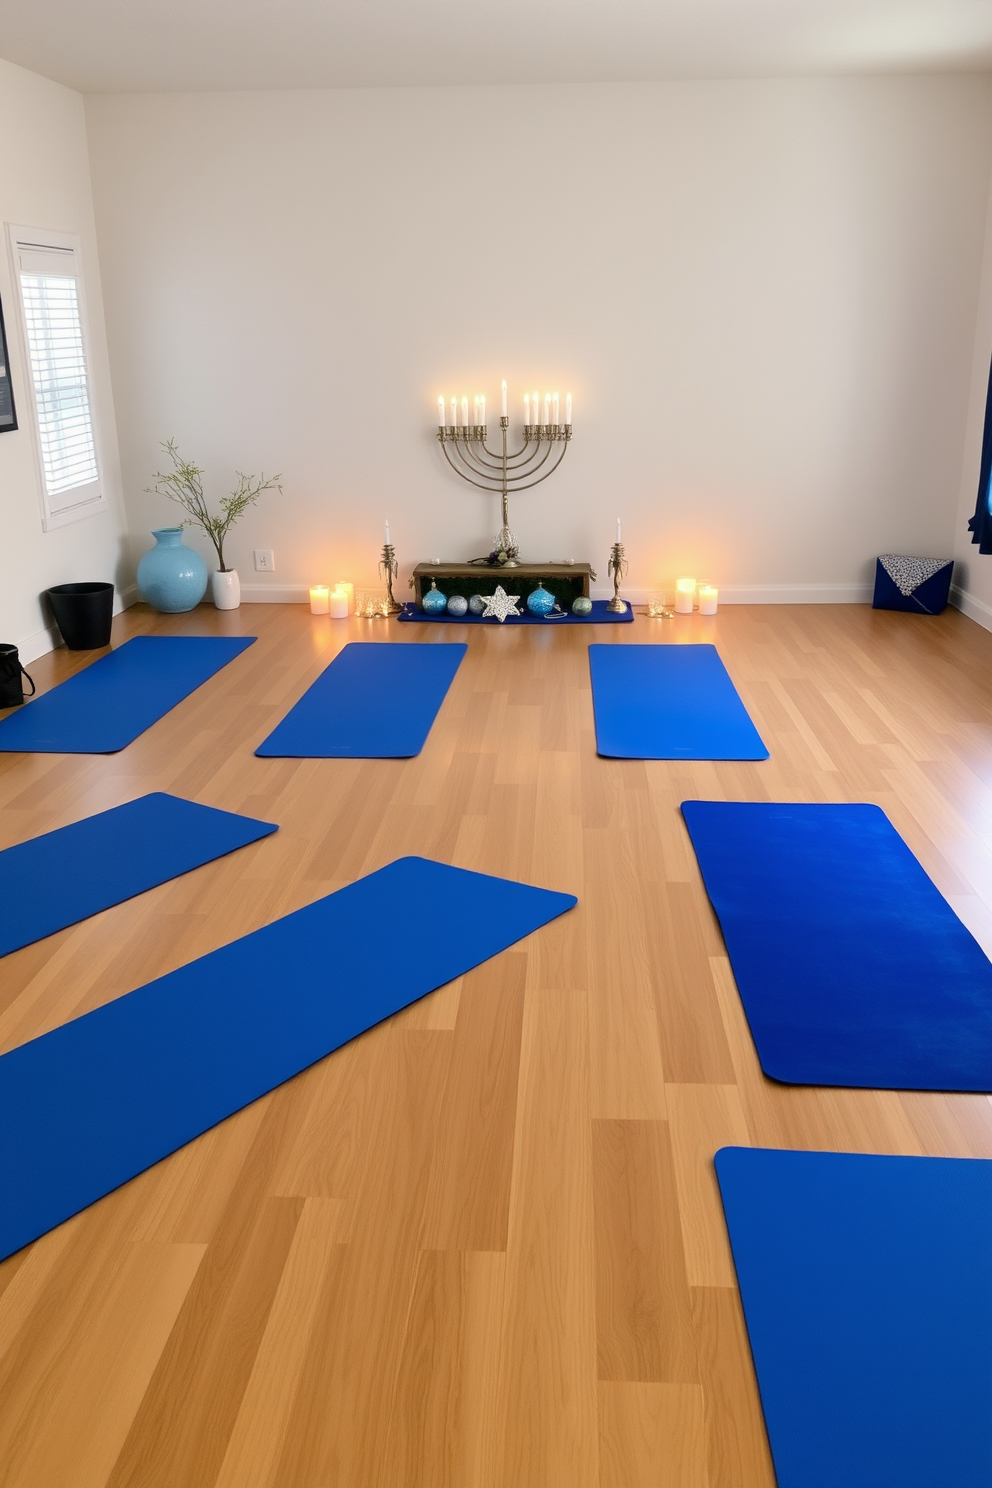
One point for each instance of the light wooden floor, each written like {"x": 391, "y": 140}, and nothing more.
{"x": 481, "y": 1245}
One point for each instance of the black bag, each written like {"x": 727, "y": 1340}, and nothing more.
{"x": 11, "y": 687}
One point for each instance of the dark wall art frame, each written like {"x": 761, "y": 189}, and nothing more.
{"x": 8, "y": 413}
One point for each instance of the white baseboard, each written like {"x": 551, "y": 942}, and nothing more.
{"x": 759, "y": 594}
{"x": 40, "y": 642}
{"x": 975, "y": 609}
{"x": 732, "y": 594}
{"x": 277, "y": 593}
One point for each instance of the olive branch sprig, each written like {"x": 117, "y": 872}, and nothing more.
{"x": 184, "y": 484}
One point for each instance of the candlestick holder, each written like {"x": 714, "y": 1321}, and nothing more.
{"x": 469, "y": 456}
{"x": 617, "y": 566}
{"x": 388, "y": 570}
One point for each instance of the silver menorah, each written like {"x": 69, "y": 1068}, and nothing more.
{"x": 492, "y": 470}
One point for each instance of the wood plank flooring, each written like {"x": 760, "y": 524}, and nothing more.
{"x": 482, "y": 1245}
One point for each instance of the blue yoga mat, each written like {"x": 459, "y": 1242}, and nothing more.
{"x": 89, "y": 1105}
{"x": 108, "y": 704}
{"x": 601, "y": 614}
{"x": 852, "y": 969}
{"x": 376, "y": 700}
{"x": 867, "y": 1290}
{"x": 669, "y": 702}
{"x": 67, "y": 875}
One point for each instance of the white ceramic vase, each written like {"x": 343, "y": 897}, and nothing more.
{"x": 226, "y": 589}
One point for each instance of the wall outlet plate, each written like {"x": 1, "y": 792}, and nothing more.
{"x": 265, "y": 561}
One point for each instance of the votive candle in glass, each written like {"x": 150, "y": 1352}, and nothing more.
{"x": 319, "y": 594}
{"x": 339, "y": 604}
{"x": 708, "y": 596}
{"x": 685, "y": 590}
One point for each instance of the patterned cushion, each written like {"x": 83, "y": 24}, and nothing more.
{"x": 918, "y": 585}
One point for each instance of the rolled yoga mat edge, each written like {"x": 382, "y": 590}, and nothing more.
{"x": 867, "y": 1295}
{"x": 852, "y": 968}
{"x": 375, "y": 700}
{"x": 64, "y": 876}
{"x": 668, "y": 701}
{"x": 98, "y": 1100}
{"x": 104, "y": 707}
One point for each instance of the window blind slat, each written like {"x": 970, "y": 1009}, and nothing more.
{"x": 58, "y": 367}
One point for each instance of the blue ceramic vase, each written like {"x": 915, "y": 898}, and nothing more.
{"x": 171, "y": 576}
{"x": 540, "y": 601}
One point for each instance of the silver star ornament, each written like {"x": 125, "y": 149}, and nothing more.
{"x": 500, "y": 604}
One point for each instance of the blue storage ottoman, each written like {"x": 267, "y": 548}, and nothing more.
{"x": 920, "y": 585}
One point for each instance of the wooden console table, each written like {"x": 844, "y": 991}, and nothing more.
{"x": 566, "y": 581}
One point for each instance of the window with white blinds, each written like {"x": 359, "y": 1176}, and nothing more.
{"x": 54, "y": 332}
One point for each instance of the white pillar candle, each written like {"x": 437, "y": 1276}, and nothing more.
{"x": 348, "y": 589}
{"x": 482, "y": 410}
{"x": 684, "y": 591}
{"x": 318, "y": 599}
{"x": 464, "y": 412}
{"x": 387, "y": 529}
{"x": 440, "y": 412}
{"x": 708, "y": 596}
{"x": 554, "y": 408}
{"x": 618, "y": 529}
{"x": 568, "y": 408}
{"x": 504, "y": 398}
{"x": 526, "y": 408}
{"x": 340, "y": 605}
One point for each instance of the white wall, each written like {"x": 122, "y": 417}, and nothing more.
{"x": 762, "y": 295}
{"x": 44, "y": 182}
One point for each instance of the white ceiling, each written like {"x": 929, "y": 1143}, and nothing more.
{"x": 152, "y": 45}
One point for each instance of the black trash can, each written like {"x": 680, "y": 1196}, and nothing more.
{"x": 83, "y": 613}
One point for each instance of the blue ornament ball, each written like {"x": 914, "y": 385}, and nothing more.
{"x": 540, "y": 601}
{"x": 457, "y": 605}
{"x": 434, "y": 601}
{"x": 477, "y": 604}
{"x": 581, "y": 606}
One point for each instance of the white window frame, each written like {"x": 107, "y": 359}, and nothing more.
{"x": 91, "y": 498}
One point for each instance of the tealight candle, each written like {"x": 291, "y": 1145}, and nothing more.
{"x": 339, "y": 603}
{"x": 707, "y": 599}
{"x": 348, "y": 589}
{"x": 685, "y": 589}
{"x": 319, "y": 599}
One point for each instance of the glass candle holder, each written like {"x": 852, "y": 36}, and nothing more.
{"x": 658, "y": 605}
{"x": 685, "y": 591}
{"x": 319, "y": 599}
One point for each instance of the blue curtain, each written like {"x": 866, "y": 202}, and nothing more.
{"x": 980, "y": 525}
